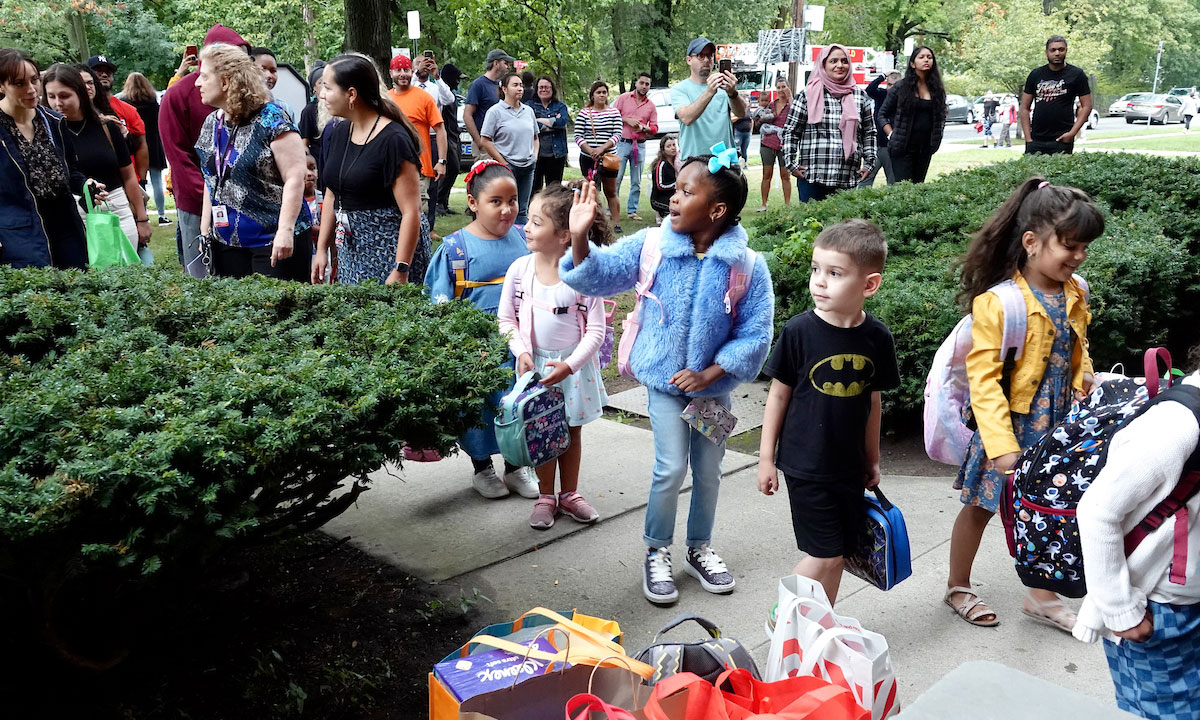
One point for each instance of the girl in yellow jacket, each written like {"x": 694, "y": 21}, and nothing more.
{"x": 1038, "y": 239}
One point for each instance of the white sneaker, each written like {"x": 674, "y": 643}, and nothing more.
{"x": 488, "y": 484}
{"x": 519, "y": 482}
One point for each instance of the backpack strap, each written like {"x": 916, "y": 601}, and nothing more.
{"x": 1012, "y": 339}
{"x": 456, "y": 250}
{"x": 648, "y": 264}
{"x": 523, "y": 305}
{"x": 1174, "y": 504}
{"x": 739, "y": 281}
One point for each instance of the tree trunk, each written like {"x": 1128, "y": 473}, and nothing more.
{"x": 77, "y": 35}
{"x": 660, "y": 61}
{"x": 368, "y": 30}
{"x": 618, "y": 10}
{"x": 310, "y": 40}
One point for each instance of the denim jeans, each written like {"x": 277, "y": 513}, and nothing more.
{"x": 625, "y": 152}
{"x": 160, "y": 200}
{"x": 524, "y": 178}
{"x": 814, "y": 192}
{"x": 675, "y": 443}
{"x": 187, "y": 230}
{"x": 741, "y": 141}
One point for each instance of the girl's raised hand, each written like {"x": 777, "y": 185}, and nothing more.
{"x": 583, "y": 214}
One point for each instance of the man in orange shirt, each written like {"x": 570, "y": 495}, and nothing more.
{"x": 421, "y": 109}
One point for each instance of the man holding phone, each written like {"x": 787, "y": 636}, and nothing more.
{"x": 703, "y": 101}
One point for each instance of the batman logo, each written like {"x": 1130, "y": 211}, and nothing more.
{"x": 845, "y": 375}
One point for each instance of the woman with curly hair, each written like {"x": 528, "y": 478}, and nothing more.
{"x": 913, "y": 116}
{"x": 253, "y": 163}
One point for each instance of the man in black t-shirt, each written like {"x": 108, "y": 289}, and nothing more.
{"x": 1055, "y": 87}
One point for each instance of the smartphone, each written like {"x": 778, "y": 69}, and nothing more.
{"x": 191, "y": 50}
{"x": 725, "y": 65}
{"x": 428, "y": 53}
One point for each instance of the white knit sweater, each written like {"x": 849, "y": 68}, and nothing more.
{"x": 1144, "y": 463}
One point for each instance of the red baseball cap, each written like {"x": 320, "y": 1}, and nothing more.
{"x": 402, "y": 62}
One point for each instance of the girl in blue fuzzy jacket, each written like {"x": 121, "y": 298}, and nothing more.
{"x": 692, "y": 344}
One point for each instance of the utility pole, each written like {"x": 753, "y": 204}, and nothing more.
{"x": 797, "y": 22}
{"x": 1154, "y": 88}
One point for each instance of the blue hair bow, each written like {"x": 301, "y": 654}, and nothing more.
{"x": 722, "y": 157}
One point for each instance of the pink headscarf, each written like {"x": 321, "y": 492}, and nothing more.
{"x": 820, "y": 83}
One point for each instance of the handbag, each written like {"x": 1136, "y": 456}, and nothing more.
{"x": 707, "y": 658}
{"x": 608, "y": 161}
{"x": 794, "y": 698}
{"x": 882, "y": 556}
{"x": 811, "y": 639}
{"x": 107, "y": 243}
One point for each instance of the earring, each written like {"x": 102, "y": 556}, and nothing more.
{"x": 351, "y": 104}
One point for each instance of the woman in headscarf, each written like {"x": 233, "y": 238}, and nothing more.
{"x": 829, "y": 136}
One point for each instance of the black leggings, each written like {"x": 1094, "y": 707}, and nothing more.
{"x": 911, "y": 166}
{"x": 549, "y": 171}
{"x": 240, "y": 262}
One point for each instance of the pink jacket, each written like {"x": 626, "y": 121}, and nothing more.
{"x": 520, "y": 336}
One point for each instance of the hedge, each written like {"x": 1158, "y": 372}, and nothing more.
{"x": 148, "y": 419}
{"x": 1144, "y": 271}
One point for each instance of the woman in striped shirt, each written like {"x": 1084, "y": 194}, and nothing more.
{"x": 597, "y": 132}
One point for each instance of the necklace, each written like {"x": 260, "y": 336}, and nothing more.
{"x": 75, "y": 132}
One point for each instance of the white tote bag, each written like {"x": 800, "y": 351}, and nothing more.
{"x": 811, "y": 639}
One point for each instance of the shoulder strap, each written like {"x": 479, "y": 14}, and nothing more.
{"x": 1012, "y": 339}
{"x": 739, "y": 280}
{"x": 456, "y": 251}
{"x": 648, "y": 264}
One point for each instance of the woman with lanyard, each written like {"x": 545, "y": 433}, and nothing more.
{"x": 552, "y": 116}
{"x": 913, "y": 116}
{"x": 100, "y": 150}
{"x": 37, "y": 175}
{"x": 254, "y": 216}
{"x": 597, "y": 132}
{"x": 510, "y": 135}
{"x": 371, "y": 179}
{"x": 829, "y": 136}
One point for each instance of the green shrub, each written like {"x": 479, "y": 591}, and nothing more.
{"x": 148, "y": 419}
{"x": 1144, "y": 271}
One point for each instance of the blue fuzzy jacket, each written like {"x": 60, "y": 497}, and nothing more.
{"x": 697, "y": 332}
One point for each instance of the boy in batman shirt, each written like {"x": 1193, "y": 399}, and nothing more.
{"x": 821, "y": 426}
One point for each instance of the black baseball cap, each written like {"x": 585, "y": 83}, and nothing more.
{"x": 100, "y": 61}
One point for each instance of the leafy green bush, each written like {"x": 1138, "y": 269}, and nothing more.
{"x": 1144, "y": 271}
{"x": 148, "y": 419}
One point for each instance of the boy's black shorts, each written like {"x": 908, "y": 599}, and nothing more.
{"x": 825, "y": 515}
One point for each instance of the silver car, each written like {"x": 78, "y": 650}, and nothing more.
{"x": 1161, "y": 109}
{"x": 1121, "y": 106}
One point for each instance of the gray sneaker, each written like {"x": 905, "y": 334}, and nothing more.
{"x": 705, "y": 565}
{"x": 488, "y": 484}
{"x": 657, "y": 583}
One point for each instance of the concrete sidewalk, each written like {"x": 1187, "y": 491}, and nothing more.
{"x": 427, "y": 520}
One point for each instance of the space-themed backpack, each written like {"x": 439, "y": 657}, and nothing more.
{"x": 1050, "y": 477}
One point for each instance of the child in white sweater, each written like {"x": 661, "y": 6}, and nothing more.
{"x": 1146, "y": 600}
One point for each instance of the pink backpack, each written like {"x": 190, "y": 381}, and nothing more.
{"x": 739, "y": 283}
{"x": 947, "y": 389}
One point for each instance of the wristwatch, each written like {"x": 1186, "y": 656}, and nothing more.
{"x": 402, "y": 267}
{"x": 441, "y": 161}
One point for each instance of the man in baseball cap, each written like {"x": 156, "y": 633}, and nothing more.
{"x": 126, "y": 113}
{"x": 704, "y": 100}
{"x": 484, "y": 93}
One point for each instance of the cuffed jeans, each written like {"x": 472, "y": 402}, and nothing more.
{"x": 625, "y": 152}
{"x": 187, "y": 231}
{"x": 675, "y": 444}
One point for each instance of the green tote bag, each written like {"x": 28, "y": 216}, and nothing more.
{"x": 107, "y": 243}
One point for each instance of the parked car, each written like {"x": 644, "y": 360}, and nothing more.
{"x": 667, "y": 122}
{"x": 1093, "y": 120}
{"x": 1122, "y": 105}
{"x": 465, "y": 158}
{"x": 1160, "y": 109}
{"x": 1181, "y": 91}
{"x": 959, "y": 109}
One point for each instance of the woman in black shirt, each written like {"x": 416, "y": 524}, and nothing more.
{"x": 139, "y": 93}
{"x": 100, "y": 149}
{"x": 913, "y": 116}
{"x": 371, "y": 179}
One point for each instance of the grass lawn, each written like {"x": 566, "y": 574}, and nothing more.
{"x": 1175, "y": 141}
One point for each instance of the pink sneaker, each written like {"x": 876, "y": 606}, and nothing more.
{"x": 574, "y": 505}
{"x": 544, "y": 510}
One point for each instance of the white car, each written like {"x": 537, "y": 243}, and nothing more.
{"x": 667, "y": 122}
{"x": 1120, "y": 107}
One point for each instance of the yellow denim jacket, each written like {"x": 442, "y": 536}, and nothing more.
{"x": 984, "y": 364}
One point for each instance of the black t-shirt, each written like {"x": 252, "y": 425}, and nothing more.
{"x": 922, "y": 125}
{"x": 1054, "y": 95}
{"x": 97, "y": 158}
{"x": 832, "y": 372}
{"x": 989, "y": 109}
{"x": 361, "y": 176}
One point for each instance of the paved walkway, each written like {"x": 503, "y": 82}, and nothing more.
{"x": 427, "y": 520}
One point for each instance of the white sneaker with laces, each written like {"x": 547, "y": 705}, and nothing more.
{"x": 520, "y": 482}
{"x": 488, "y": 484}
{"x": 705, "y": 565}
